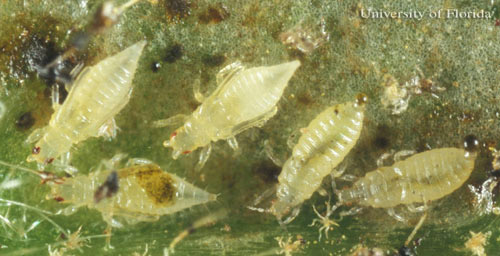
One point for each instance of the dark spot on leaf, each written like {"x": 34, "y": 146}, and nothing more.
{"x": 213, "y": 60}
{"x": 39, "y": 53}
{"x": 155, "y": 66}
{"x": 174, "y": 53}
{"x": 382, "y": 139}
{"x": 405, "y": 251}
{"x": 177, "y": 9}
{"x": 267, "y": 171}
{"x": 471, "y": 144}
{"x": 305, "y": 99}
{"x": 214, "y": 14}
{"x": 25, "y": 121}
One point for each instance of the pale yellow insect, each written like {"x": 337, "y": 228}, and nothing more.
{"x": 322, "y": 146}
{"x": 145, "y": 193}
{"x": 244, "y": 98}
{"x": 142, "y": 191}
{"x": 423, "y": 177}
{"x": 96, "y": 96}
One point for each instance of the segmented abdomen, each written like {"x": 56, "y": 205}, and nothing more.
{"x": 144, "y": 189}
{"x": 99, "y": 93}
{"x": 322, "y": 146}
{"x": 249, "y": 94}
{"x": 422, "y": 177}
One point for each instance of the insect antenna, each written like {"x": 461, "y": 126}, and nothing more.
{"x": 44, "y": 176}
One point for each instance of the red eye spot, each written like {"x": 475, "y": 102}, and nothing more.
{"x": 497, "y": 23}
{"x": 35, "y": 150}
{"x": 58, "y": 199}
{"x": 186, "y": 152}
{"x": 49, "y": 161}
{"x": 173, "y": 135}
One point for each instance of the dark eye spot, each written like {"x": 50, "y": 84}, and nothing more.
{"x": 49, "y": 161}
{"x": 186, "y": 152}
{"x": 35, "y": 150}
{"x": 58, "y": 199}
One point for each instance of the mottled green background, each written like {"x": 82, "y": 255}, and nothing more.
{"x": 461, "y": 55}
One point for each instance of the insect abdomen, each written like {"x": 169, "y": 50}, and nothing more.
{"x": 257, "y": 90}
{"x": 332, "y": 132}
{"x": 251, "y": 93}
{"x": 322, "y": 146}
{"x": 100, "y": 93}
{"x": 422, "y": 177}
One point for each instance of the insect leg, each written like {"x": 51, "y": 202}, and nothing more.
{"x": 171, "y": 121}
{"x": 268, "y": 150}
{"x": 109, "y": 164}
{"x": 228, "y": 71}
{"x": 73, "y": 74}
{"x": 412, "y": 208}
{"x": 337, "y": 173}
{"x": 108, "y": 130}
{"x": 36, "y": 135}
{"x": 403, "y": 153}
{"x": 396, "y": 216}
{"x": 198, "y": 96}
{"x": 382, "y": 158}
{"x": 233, "y": 143}
{"x": 348, "y": 177}
{"x": 417, "y": 227}
{"x": 108, "y": 218}
{"x": 203, "y": 158}
{"x": 138, "y": 161}
{"x": 352, "y": 211}
{"x": 266, "y": 194}
{"x": 295, "y": 212}
{"x": 55, "y": 97}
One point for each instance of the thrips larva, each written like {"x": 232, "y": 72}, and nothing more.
{"x": 145, "y": 193}
{"x": 323, "y": 145}
{"x": 141, "y": 191}
{"x": 244, "y": 98}
{"x": 96, "y": 96}
{"x": 423, "y": 177}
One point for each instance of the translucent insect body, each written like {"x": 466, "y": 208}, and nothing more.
{"x": 323, "y": 145}
{"x": 96, "y": 96}
{"x": 244, "y": 98}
